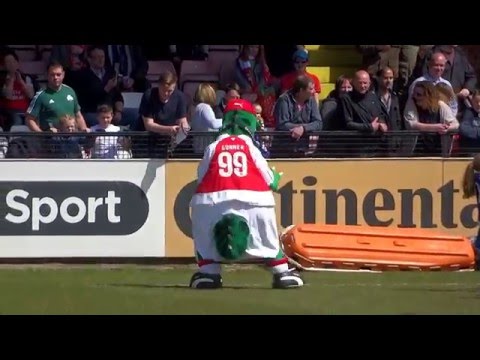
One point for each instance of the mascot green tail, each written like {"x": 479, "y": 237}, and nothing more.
{"x": 231, "y": 234}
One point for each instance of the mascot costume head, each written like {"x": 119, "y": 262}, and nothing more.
{"x": 239, "y": 118}
{"x": 232, "y": 233}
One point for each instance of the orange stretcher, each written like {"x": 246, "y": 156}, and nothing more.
{"x": 314, "y": 246}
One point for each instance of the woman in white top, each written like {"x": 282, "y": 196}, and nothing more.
{"x": 203, "y": 118}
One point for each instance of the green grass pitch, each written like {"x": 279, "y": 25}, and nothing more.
{"x": 130, "y": 289}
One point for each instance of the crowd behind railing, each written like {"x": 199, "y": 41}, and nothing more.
{"x": 273, "y": 144}
{"x": 378, "y": 112}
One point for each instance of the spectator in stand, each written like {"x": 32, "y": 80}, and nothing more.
{"x": 164, "y": 108}
{"x": 447, "y": 95}
{"x": 457, "y": 69}
{"x": 17, "y": 91}
{"x": 331, "y": 116}
{"x": 362, "y": 111}
{"x": 329, "y": 106}
{"x": 427, "y": 113}
{"x": 258, "y": 114}
{"x": 108, "y": 147}
{"x": 434, "y": 73}
{"x": 300, "y": 63}
{"x": 98, "y": 84}
{"x": 469, "y": 130}
{"x": 389, "y": 99}
{"x": 204, "y": 118}
{"x": 424, "y": 52}
{"x": 50, "y": 104}
{"x": 73, "y": 58}
{"x": 390, "y": 103}
{"x": 253, "y": 76}
{"x": 232, "y": 91}
{"x": 70, "y": 146}
{"x": 130, "y": 64}
{"x": 296, "y": 112}
{"x": 263, "y": 142}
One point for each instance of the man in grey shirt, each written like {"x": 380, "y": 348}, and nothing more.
{"x": 297, "y": 112}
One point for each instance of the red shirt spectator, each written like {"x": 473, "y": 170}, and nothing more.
{"x": 300, "y": 62}
{"x": 17, "y": 100}
{"x": 18, "y": 88}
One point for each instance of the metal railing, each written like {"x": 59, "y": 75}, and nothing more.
{"x": 274, "y": 144}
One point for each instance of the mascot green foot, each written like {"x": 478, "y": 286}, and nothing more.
{"x": 231, "y": 236}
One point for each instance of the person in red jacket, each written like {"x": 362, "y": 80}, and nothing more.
{"x": 300, "y": 63}
{"x": 233, "y": 207}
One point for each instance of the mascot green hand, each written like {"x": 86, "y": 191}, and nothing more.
{"x": 276, "y": 179}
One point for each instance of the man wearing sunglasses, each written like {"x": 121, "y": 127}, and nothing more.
{"x": 300, "y": 62}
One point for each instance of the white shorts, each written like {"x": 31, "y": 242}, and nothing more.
{"x": 262, "y": 221}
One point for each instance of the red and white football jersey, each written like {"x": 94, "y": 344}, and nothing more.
{"x": 233, "y": 168}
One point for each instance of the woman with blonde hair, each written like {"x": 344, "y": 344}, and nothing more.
{"x": 446, "y": 94}
{"x": 471, "y": 187}
{"x": 64, "y": 146}
{"x": 426, "y": 113}
{"x": 471, "y": 179}
{"x": 203, "y": 118}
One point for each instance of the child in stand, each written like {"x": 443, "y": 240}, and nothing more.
{"x": 262, "y": 142}
{"x": 471, "y": 187}
{"x": 108, "y": 147}
{"x": 67, "y": 146}
{"x": 258, "y": 114}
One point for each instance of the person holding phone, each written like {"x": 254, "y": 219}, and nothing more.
{"x": 131, "y": 66}
{"x": 17, "y": 91}
{"x": 98, "y": 84}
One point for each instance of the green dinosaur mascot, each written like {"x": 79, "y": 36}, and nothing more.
{"x": 233, "y": 208}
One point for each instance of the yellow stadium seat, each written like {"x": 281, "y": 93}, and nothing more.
{"x": 326, "y": 89}
{"x": 329, "y": 74}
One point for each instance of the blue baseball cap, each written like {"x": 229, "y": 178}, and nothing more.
{"x": 300, "y": 54}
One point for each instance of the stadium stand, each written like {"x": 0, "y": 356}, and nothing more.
{"x": 328, "y": 62}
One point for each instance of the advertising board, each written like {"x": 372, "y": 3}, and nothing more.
{"x": 403, "y": 193}
{"x": 82, "y": 208}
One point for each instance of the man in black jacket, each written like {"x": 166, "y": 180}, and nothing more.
{"x": 390, "y": 102}
{"x": 98, "y": 84}
{"x": 362, "y": 111}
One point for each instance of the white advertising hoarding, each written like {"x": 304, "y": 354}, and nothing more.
{"x": 82, "y": 208}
